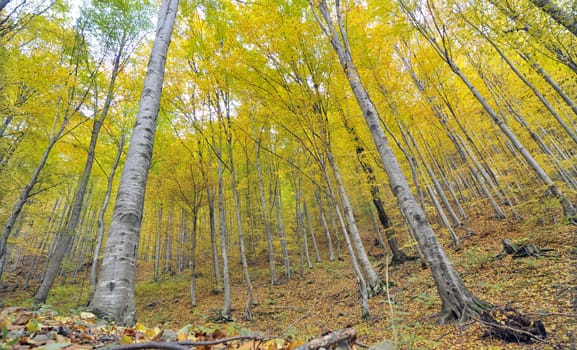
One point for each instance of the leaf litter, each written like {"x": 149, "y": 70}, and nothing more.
{"x": 324, "y": 299}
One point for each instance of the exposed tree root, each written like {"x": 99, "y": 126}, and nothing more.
{"x": 521, "y": 251}
{"x": 508, "y": 324}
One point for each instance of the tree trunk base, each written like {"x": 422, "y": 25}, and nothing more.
{"x": 508, "y": 324}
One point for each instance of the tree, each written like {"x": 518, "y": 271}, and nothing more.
{"x": 564, "y": 18}
{"x": 116, "y": 25}
{"x": 114, "y": 293}
{"x": 67, "y": 107}
{"x": 457, "y": 301}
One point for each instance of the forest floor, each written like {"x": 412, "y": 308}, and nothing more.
{"x": 325, "y": 298}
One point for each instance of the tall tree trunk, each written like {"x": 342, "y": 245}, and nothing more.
{"x": 325, "y": 226}
{"x": 374, "y": 282}
{"x": 247, "y": 314}
{"x": 96, "y": 254}
{"x": 267, "y": 226}
{"x": 70, "y": 231}
{"x": 114, "y": 294}
{"x": 156, "y": 274}
{"x": 457, "y": 301}
{"x": 363, "y": 290}
{"x": 312, "y": 231}
{"x": 541, "y": 71}
{"x": 398, "y": 255}
{"x": 280, "y": 223}
{"x": 213, "y": 238}
{"x": 226, "y": 307}
{"x": 193, "y": 256}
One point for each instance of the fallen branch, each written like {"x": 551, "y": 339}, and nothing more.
{"x": 347, "y": 334}
{"x": 186, "y": 345}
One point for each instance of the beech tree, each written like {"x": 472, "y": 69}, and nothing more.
{"x": 457, "y": 301}
{"x": 114, "y": 293}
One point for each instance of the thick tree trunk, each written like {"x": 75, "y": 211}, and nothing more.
{"x": 114, "y": 294}
{"x": 457, "y": 300}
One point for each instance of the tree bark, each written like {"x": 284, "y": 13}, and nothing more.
{"x": 114, "y": 294}
{"x": 457, "y": 301}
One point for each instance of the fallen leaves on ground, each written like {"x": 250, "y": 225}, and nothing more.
{"x": 45, "y": 329}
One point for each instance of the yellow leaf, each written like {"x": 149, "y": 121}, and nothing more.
{"x": 125, "y": 339}
{"x": 33, "y": 326}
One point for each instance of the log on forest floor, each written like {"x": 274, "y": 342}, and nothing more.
{"x": 339, "y": 339}
{"x": 521, "y": 251}
{"x": 508, "y": 324}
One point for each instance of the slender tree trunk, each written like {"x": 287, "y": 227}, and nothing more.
{"x": 157, "y": 244}
{"x": 267, "y": 226}
{"x": 114, "y": 294}
{"x": 312, "y": 231}
{"x": 226, "y": 308}
{"x": 213, "y": 238}
{"x": 457, "y": 301}
{"x": 280, "y": 223}
{"x": 8, "y": 119}
{"x": 96, "y": 255}
{"x": 26, "y": 193}
{"x": 193, "y": 257}
{"x": 537, "y": 68}
{"x": 363, "y": 290}
{"x": 398, "y": 255}
{"x": 374, "y": 282}
{"x": 302, "y": 225}
{"x": 325, "y": 227}
{"x": 247, "y": 314}
{"x": 564, "y": 18}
